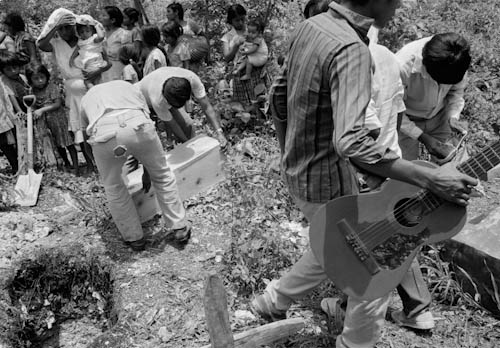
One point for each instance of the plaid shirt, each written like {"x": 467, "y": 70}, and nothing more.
{"x": 328, "y": 83}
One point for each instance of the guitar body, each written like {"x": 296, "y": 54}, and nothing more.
{"x": 366, "y": 243}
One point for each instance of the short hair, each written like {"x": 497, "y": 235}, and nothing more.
{"x": 176, "y": 7}
{"x": 314, "y": 7}
{"x": 15, "y": 21}
{"x": 115, "y": 13}
{"x": 132, "y": 13}
{"x": 177, "y": 91}
{"x": 446, "y": 57}
{"x": 151, "y": 35}
{"x": 38, "y": 69}
{"x": 235, "y": 11}
{"x": 127, "y": 52}
{"x": 256, "y": 22}
{"x": 8, "y": 58}
{"x": 173, "y": 29}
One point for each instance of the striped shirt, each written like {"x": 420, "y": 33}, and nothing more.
{"x": 328, "y": 82}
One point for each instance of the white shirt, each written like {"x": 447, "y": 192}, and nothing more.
{"x": 387, "y": 97}
{"x": 151, "y": 87}
{"x": 424, "y": 97}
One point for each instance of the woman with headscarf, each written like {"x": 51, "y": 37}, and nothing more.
{"x": 59, "y": 37}
{"x": 243, "y": 91}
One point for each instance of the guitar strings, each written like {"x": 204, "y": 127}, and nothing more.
{"x": 377, "y": 230}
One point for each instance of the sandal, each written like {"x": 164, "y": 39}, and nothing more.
{"x": 336, "y": 315}
{"x": 182, "y": 235}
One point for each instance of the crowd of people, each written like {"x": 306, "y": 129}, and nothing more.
{"x": 344, "y": 108}
{"x": 89, "y": 51}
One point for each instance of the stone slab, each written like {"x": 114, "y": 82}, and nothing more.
{"x": 476, "y": 249}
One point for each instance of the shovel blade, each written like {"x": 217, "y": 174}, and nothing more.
{"x": 27, "y": 188}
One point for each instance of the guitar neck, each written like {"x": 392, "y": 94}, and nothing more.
{"x": 476, "y": 166}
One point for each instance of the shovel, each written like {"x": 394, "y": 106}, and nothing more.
{"x": 28, "y": 185}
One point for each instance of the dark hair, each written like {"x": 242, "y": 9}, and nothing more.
{"x": 177, "y": 91}
{"x": 151, "y": 35}
{"x": 38, "y": 69}
{"x": 15, "y": 21}
{"x": 314, "y": 7}
{"x": 256, "y": 23}
{"x": 172, "y": 29}
{"x": 79, "y": 28}
{"x": 8, "y": 58}
{"x": 235, "y": 11}
{"x": 446, "y": 57}
{"x": 128, "y": 52}
{"x": 176, "y": 7}
{"x": 115, "y": 13}
{"x": 132, "y": 13}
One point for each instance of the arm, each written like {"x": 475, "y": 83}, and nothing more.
{"x": 15, "y": 104}
{"x": 229, "y": 50}
{"x": 214, "y": 119}
{"x": 51, "y": 107}
{"x": 101, "y": 32}
{"x": 73, "y": 56}
{"x": 251, "y": 48}
{"x": 278, "y": 107}
{"x": 44, "y": 44}
{"x": 31, "y": 47}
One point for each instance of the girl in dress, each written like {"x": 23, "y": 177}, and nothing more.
{"x": 50, "y": 113}
{"x": 152, "y": 54}
{"x": 129, "y": 55}
{"x": 177, "y": 50}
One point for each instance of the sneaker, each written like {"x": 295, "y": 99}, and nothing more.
{"x": 264, "y": 307}
{"x": 335, "y": 313}
{"x": 422, "y": 321}
{"x": 182, "y": 235}
{"x": 137, "y": 245}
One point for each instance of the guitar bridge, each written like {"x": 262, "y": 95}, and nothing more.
{"x": 358, "y": 247}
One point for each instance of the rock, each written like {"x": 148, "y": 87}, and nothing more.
{"x": 476, "y": 249}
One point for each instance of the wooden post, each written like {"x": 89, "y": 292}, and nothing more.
{"x": 216, "y": 314}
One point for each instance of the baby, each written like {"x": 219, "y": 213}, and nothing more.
{"x": 89, "y": 54}
{"x": 253, "y": 51}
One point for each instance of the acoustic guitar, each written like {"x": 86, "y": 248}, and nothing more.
{"x": 366, "y": 242}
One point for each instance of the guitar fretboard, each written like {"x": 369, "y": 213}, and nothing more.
{"x": 476, "y": 166}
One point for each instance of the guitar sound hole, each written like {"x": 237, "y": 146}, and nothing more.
{"x": 409, "y": 212}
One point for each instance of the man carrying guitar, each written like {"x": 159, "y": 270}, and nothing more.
{"x": 328, "y": 88}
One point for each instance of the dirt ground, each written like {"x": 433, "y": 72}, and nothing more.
{"x": 158, "y": 293}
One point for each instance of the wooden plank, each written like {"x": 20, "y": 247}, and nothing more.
{"x": 267, "y": 334}
{"x": 216, "y": 315}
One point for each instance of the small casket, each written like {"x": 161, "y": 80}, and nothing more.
{"x": 196, "y": 164}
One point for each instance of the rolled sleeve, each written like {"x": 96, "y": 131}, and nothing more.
{"x": 197, "y": 88}
{"x": 350, "y": 81}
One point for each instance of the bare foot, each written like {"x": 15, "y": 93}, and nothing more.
{"x": 245, "y": 77}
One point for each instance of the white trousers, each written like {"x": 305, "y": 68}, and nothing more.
{"x": 133, "y": 133}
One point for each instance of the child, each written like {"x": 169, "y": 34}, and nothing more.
{"x": 177, "y": 50}
{"x": 49, "y": 104}
{"x": 89, "y": 54}
{"x": 129, "y": 56}
{"x": 130, "y": 22}
{"x": 153, "y": 56}
{"x": 254, "y": 51}
{"x": 15, "y": 83}
{"x": 7, "y": 130}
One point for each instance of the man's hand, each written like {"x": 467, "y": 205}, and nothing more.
{"x": 448, "y": 183}
{"x": 436, "y": 147}
{"x": 146, "y": 181}
{"x": 90, "y": 75}
{"x": 456, "y": 125}
{"x": 221, "y": 138}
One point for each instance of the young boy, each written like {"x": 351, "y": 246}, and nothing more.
{"x": 254, "y": 52}
{"x": 433, "y": 70}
